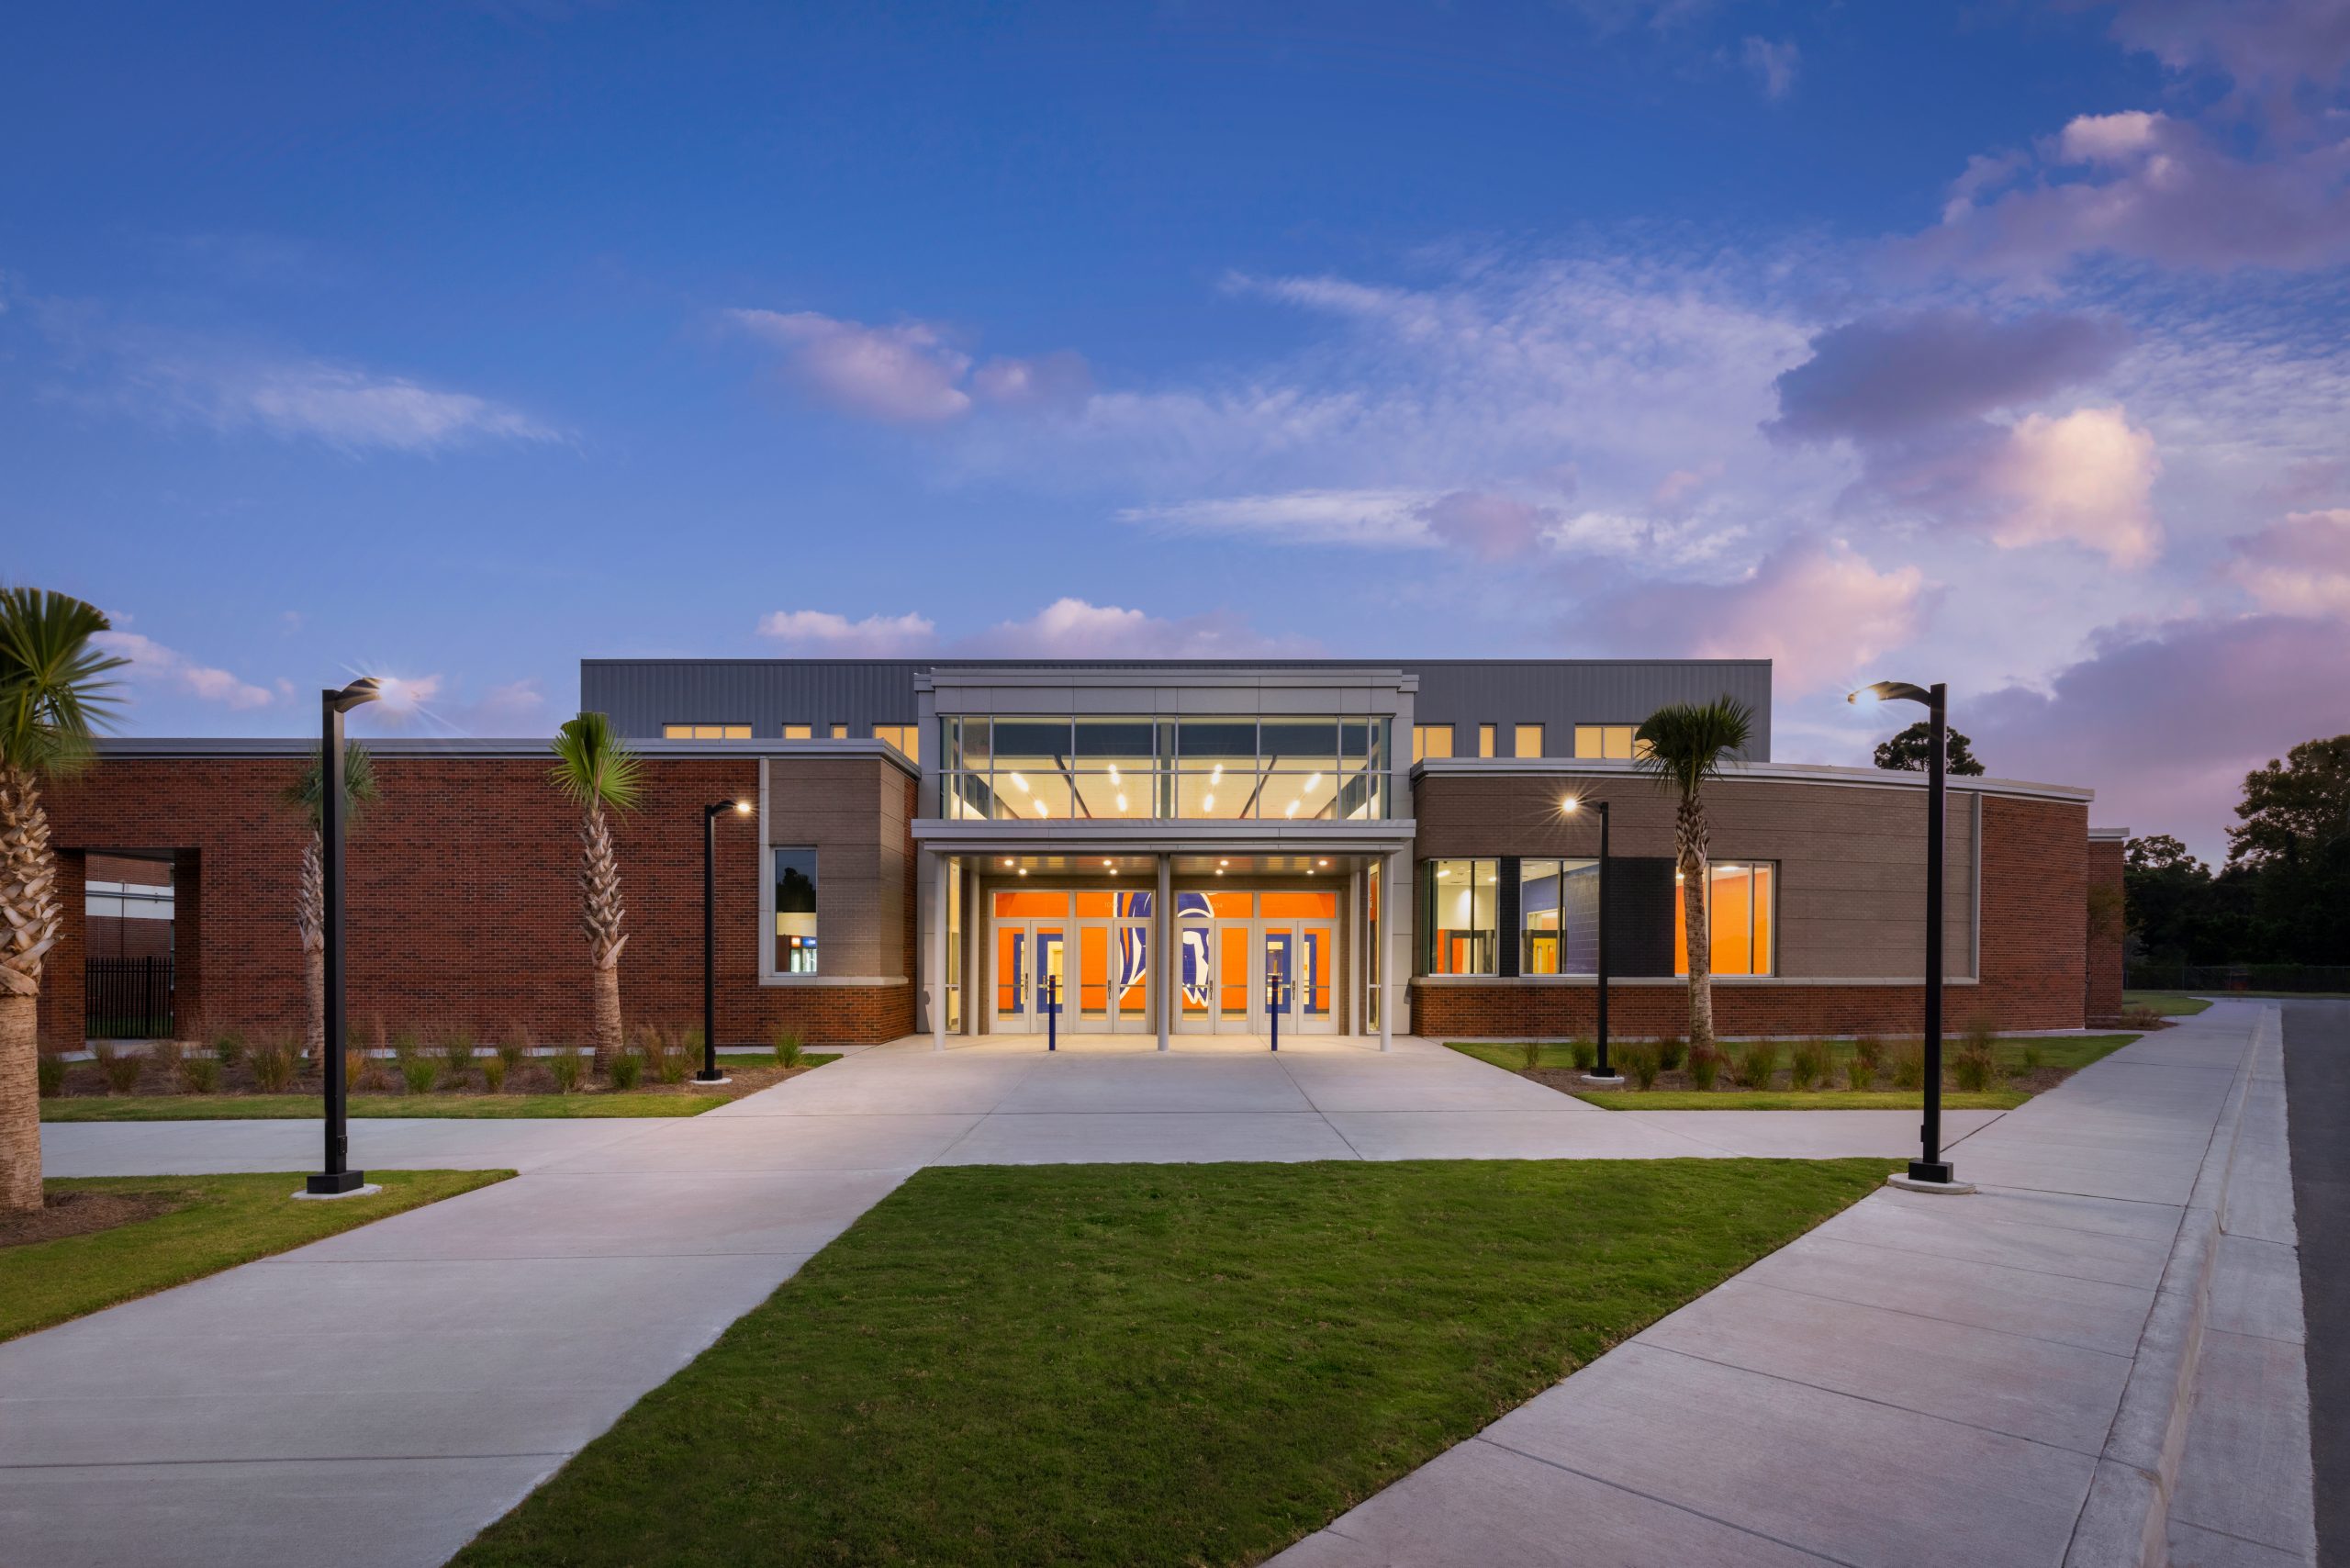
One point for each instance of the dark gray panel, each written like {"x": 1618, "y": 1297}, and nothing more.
{"x": 641, "y": 695}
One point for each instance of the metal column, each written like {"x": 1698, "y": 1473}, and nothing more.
{"x": 938, "y": 954}
{"x": 1162, "y": 935}
{"x": 1385, "y": 943}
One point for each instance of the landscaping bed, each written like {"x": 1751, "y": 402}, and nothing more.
{"x": 1764, "y": 1076}
{"x": 114, "y": 1237}
{"x": 1148, "y": 1364}
{"x": 170, "y": 1084}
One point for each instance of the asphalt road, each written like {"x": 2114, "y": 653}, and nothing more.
{"x": 2317, "y": 1086}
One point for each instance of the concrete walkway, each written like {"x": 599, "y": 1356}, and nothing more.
{"x": 2007, "y": 1378}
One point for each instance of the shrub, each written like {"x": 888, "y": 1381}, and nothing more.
{"x": 1639, "y": 1063}
{"x": 788, "y": 1048}
{"x": 1980, "y": 1036}
{"x": 52, "y": 1073}
{"x": 1582, "y": 1053}
{"x": 1757, "y": 1065}
{"x": 566, "y": 1065}
{"x": 1704, "y": 1066}
{"x": 1807, "y": 1064}
{"x": 457, "y": 1056}
{"x": 2032, "y": 1058}
{"x": 1529, "y": 1055}
{"x": 515, "y": 1048}
{"x": 1870, "y": 1049}
{"x": 199, "y": 1071}
{"x": 678, "y": 1057}
{"x": 493, "y": 1074}
{"x": 2142, "y": 1018}
{"x": 358, "y": 1069}
{"x": 1671, "y": 1052}
{"x": 624, "y": 1069}
{"x": 1973, "y": 1066}
{"x": 406, "y": 1049}
{"x": 418, "y": 1074}
{"x": 228, "y": 1048}
{"x": 118, "y": 1067}
{"x": 274, "y": 1064}
{"x": 1860, "y": 1071}
{"x": 1906, "y": 1064}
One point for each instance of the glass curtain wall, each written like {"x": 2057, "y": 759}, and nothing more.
{"x": 1557, "y": 903}
{"x": 1461, "y": 901}
{"x": 1044, "y": 770}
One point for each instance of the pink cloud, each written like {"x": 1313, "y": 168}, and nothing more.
{"x": 2086, "y": 478}
{"x": 1061, "y": 380}
{"x": 1820, "y": 612}
{"x": 875, "y": 636}
{"x": 1072, "y": 628}
{"x": 2299, "y": 567}
{"x": 903, "y": 375}
{"x": 2164, "y": 721}
{"x": 1491, "y": 527}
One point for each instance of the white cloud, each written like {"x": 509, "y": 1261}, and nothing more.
{"x": 2299, "y": 567}
{"x": 1773, "y": 65}
{"x": 1071, "y": 627}
{"x": 911, "y": 373}
{"x": 1385, "y": 519}
{"x": 875, "y": 637}
{"x": 2085, "y": 478}
{"x": 152, "y": 664}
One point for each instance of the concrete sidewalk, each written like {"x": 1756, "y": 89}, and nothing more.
{"x": 2003, "y": 1378}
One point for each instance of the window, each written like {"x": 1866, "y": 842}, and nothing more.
{"x": 840, "y": 731}
{"x": 1431, "y": 740}
{"x": 798, "y": 731}
{"x": 1557, "y": 903}
{"x": 1484, "y": 740}
{"x": 795, "y": 911}
{"x": 1107, "y": 769}
{"x": 907, "y": 738}
{"x": 705, "y": 732}
{"x": 1740, "y": 918}
{"x": 1460, "y": 897}
{"x": 1530, "y": 740}
{"x": 1612, "y": 743}
{"x": 954, "y": 947}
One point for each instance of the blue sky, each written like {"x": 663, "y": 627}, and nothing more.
{"x": 1997, "y": 342}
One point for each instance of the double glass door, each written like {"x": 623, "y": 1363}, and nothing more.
{"x": 1246, "y": 959}
{"x": 1097, "y": 968}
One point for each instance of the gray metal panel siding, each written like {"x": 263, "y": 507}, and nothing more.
{"x": 641, "y": 695}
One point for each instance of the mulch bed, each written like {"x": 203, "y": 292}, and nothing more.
{"x": 79, "y": 1214}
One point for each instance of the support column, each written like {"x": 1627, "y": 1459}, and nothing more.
{"x": 1386, "y": 944}
{"x": 938, "y": 953}
{"x": 1162, "y": 924}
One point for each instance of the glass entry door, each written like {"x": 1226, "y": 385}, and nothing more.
{"x": 1027, "y": 955}
{"x": 1294, "y": 970}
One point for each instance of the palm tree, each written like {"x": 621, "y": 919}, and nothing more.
{"x": 307, "y": 796}
{"x": 51, "y": 701}
{"x": 1686, "y": 743}
{"x": 596, "y": 771}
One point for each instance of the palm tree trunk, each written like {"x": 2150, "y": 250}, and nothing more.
{"x": 601, "y": 916}
{"x": 311, "y": 920}
{"x": 33, "y": 918}
{"x": 1693, "y": 863}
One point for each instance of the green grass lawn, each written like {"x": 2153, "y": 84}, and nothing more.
{"x": 2061, "y": 1055}
{"x": 2169, "y": 1004}
{"x": 221, "y": 1221}
{"x": 1148, "y": 1364}
{"x": 270, "y": 1107}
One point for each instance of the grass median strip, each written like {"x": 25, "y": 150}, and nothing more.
{"x": 1148, "y": 1364}
{"x": 2167, "y": 1003}
{"x": 194, "y": 1225}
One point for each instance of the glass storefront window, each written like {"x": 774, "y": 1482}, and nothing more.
{"x": 1282, "y": 769}
{"x": 1461, "y": 901}
{"x": 1740, "y": 918}
{"x": 795, "y": 911}
{"x": 1558, "y": 904}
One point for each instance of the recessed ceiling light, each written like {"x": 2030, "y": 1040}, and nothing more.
{"x": 1023, "y": 870}
{"x": 1007, "y": 862}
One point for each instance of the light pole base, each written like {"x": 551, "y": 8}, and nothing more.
{"x": 1606, "y": 1080}
{"x": 350, "y": 1184}
{"x": 713, "y": 1076}
{"x": 1949, "y": 1187}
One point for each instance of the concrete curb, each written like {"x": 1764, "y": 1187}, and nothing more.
{"x": 2125, "y": 1523}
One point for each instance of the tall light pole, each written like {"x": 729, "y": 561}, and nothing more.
{"x": 1601, "y": 1072}
{"x": 337, "y": 1180}
{"x": 709, "y": 815}
{"x": 1931, "y": 1169}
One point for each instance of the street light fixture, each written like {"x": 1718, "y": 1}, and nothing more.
{"x": 1601, "y": 1072}
{"x": 709, "y": 815}
{"x": 1930, "y": 1171}
{"x": 337, "y": 1180}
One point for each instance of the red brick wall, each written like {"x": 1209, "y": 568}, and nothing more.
{"x": 2035, "y": 972}
{"x": 2106, "y": 928}
{"x": 463, "y": 902}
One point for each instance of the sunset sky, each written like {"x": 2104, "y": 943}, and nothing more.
{"x": 1995, "y": 344}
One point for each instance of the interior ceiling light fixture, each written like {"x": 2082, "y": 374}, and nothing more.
{"x": 1122, "y": 802}
{"x": 1207, "y": 803}
{"x": 1022, "y": 782}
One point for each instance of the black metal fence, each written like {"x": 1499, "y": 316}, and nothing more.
{"x": 2237, "y": 976}
{"x": 127, "y": 999}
